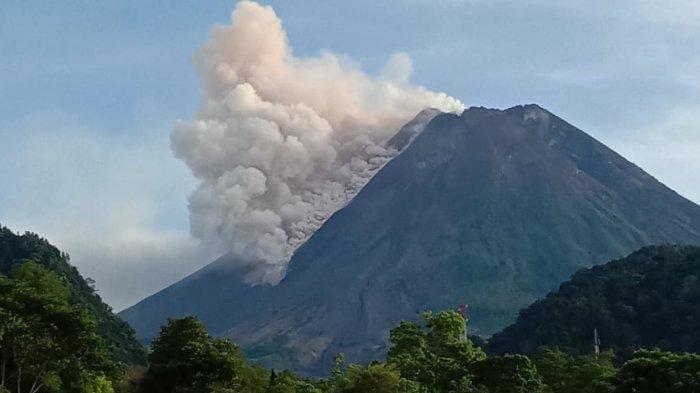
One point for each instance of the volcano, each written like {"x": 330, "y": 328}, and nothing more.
{"x": 490, "y": 208}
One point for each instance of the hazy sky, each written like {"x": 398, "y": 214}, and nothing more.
{"x": 89, "y": 92}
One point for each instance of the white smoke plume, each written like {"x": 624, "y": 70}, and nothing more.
{"x": 280, "y": 142}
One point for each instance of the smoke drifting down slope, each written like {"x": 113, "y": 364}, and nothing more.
{"x": 280, "y": 142}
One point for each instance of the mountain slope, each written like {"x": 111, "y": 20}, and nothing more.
{"x": 491, "y": 208}
{"x": 648, "y": 299}
{"x": 118, "y": 335}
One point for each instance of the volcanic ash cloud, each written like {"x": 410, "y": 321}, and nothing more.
{"x": 280, "y": 142}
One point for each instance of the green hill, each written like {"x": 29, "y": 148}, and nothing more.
{"x": 651, "y": 298}
{"x": 118, "y": 335}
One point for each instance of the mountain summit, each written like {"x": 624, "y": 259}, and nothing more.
{"x": 493, "y": 208}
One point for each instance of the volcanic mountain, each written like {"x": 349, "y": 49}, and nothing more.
{"x": 493, "y": 208}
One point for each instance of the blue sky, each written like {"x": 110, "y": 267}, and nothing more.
{"x": 89, "y": 92}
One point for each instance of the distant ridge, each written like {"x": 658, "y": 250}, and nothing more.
{"x": 493, "y": 208}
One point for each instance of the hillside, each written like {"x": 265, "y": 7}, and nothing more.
{"x": 493, "y": 208}
{"x": 649, "y": 299}
{"x": 118, "y": 335}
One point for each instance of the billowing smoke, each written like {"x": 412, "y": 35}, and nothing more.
{"x": 280, "y": 142}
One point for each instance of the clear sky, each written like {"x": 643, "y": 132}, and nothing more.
{"x": 89, "y": 92}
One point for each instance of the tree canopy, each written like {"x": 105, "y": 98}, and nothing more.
{"x": 185, "y": 358}
{"x": 652, "y": 371}
{"x": 119, "y": 336}
{"x": 46, "y": 343}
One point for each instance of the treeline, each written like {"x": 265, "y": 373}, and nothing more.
{"x": 48, "y": 344}
{"x": 432, "y": 357}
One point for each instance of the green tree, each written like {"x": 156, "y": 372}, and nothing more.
{"x": 508, "y": 374}
{"x": 337, "y": 365}
{"x": 46, "y": 343}
{"x": 119, "y": 337}
{"x": 658, "y": 371}
{"x": 185, "y": 358}
{"x": 375, "y": 378}
{"x": 129, "y": 380}
{"x": 452, "y": 352}
{"x": 287, "y": 382}
{"x": 438, "y": 358}
{"x": 97, "y": 384}
{"x": 564, "y": 373}
{"x": 410, "y": 355}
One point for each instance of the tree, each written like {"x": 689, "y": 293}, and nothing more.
{"x": 185, "y": 358}
{"x": 97, "y": 384}
{"x": 375, "y": 378}
{"x": 508, "y": 374}
{"x": 287, "y": 382}
{"x": 409, "y": 353}
{"x": 564, "y": 373}
{"x": 45, "y": 342}
{"x": 438, "y": 358}
{"x": 337, "y": 365}
{"x": 129, "y": 380}
{"x": 119, "y": 337}
{"x": 658, "y": 371}
{"x": 453, "y": 354}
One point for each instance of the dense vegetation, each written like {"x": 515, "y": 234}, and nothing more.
{"x": 433, "y": 357}
{"x": 47, "y": 344}
{"x": 119, "y": 336}
{"x": 649, "y": 299}
{"x": 57, "y": 336}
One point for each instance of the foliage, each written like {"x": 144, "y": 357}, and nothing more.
{"x": 185, "y": 358}
{"x": 435, "y": 358}
{"x": 287, "y": 382}
{"x": 52, "y": 326}
{"x": 657, "y": 371}
{"x": 129, "y": 380}
{"x": 508, "y": 374}
{"x": 409, "y": 353}
{"x": 648, "y": 299}
{"x": 564, "y": 373}
{"x": 438, "y": 358}
{"x": 375, "y": 378}
{"x": 46, "y": 343}
{"x": 119, "y": 336}
{"x": 97, "y": 384}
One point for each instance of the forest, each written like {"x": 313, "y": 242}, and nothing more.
{"x": 56, "y": 335}
{"x": 648, "y": 299}
{"x": 49, "y": 345}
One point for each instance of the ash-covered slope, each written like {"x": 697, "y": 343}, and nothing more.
{"x": 491, "y": 208}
